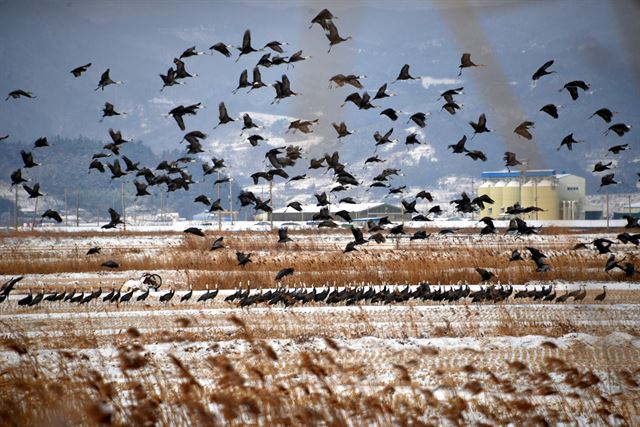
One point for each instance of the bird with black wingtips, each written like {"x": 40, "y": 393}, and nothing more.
{"x": 110, "y": 264}
{"x": 50, "y": 213}
{"x": 322, "y": 18}
{"x": 573, "y": 86}
{"x": 419, "y": 119}
{"x": 476, "y": 155}
{"x": 77, "y": 72}
{"x": 188, "y": 53}
{"x": 221, "y": 48}
{"x": 16, "y": 177}
{"x": 485, "y": 275}
{"x": 465, "y": 62}
{"x": 382, "y": 92}
{"x": 18, "y": 93}
{"x": 181, "y": 70}
{"x": 510, "y": 160}
{"x": 616, "y": 149}
{"x": 516, "y": 255}
{"x": 333, "y": 35}
{"x": 569, "y": 141}
{"x": 340, "y": 80}
{"x": 523, "y": 130}
{"x": 169, "y": 79}
{"x": 341, "y": 129}
{"x": 480, "y": 126}
{"x": 390, "y": 113}
{"x": 459, "y": 146}
{"x": 217, "y": 244}
{"x": 141, "y": 189}
{"x": 551, "y": 110}
{"x": 106, "y": 80}
{"x": 284, "y": 272}
{"x": 246, "y": 47}
{"x": 243, "y": 259}
{"x": 543, "y": 71}
{"x": 608, "y": 179}
{"x": 243, "y": 81}
{"x": 41, "y": 142}
{"x": 283, "y": 236}
{"x": 295, "y": 205}
{"x": 27, "y": 160}
{"x": 93, "y": 250}
{"x": 605, "y": 114}
{"x": 34, "y": 192}
{"x": 404, "y": 74}
{"x": 601, "y": 167}
{"x": 110, "y": 111}
{"x": 195, "y": 231}
{"x": 619, "y": 129}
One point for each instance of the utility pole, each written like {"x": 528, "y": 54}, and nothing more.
{"x": 607, "y": 201}
{"x": 16, "y": 210}
{"x": 78, "y": 207}
{"x": 124, "y": 207}
{"x": 35, "y": 211}
{"x": 271, "y": 202}
{"x": 230, "y": 202}
{"x": 161, "y": 205}
{"x": 218, "y": 213}
{"x": 66, "y": 212}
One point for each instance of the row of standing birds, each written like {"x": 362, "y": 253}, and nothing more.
{"x": 348, "y": 295}
{"x": 325, "y": 20}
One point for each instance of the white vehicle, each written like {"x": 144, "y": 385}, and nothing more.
{"x": 146, "y": 282}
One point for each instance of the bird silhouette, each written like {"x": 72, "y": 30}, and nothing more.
{"x": 465, "y": 62}
{"x": 77, "y": 72}
{"x": 543, "y": 71}
{"x": 105, "y": 81}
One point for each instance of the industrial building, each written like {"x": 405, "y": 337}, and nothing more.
{"x": 560, "y": 195}
{"x": 359, "y": 212}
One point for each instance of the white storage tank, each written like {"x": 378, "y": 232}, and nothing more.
{"x": 511, "y": 194}
{"x": 486, "y": 188}
{"x": 548, "y": 199}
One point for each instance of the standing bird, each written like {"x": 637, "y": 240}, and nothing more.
{"x": 333, "y": 35}
{"x": 167, "y": 297}
{"x": 105, "y": 81}
{"x": 19, "y": 93}
{"x": 542, "y": 71}
{"x": 523, "y": 130}
{"x": 246, "y": 47}
{"x": 465, "y": 62}
{"x": 77, "y": 72}
{"x": 516, "y": 256}
{"x": 602, "y": 296}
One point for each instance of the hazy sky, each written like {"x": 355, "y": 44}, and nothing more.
{"x": 593, "y": 41}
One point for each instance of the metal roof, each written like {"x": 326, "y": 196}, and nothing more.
{"x": 349, "y": 207}
{"x": 517, "y": 174}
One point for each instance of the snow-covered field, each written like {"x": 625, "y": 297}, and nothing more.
{"x": 518, "y": 361}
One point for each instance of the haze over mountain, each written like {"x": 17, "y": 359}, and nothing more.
{"x": 43, "y": 41}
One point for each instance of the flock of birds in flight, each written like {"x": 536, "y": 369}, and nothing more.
{"x": 176, "y": 176}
